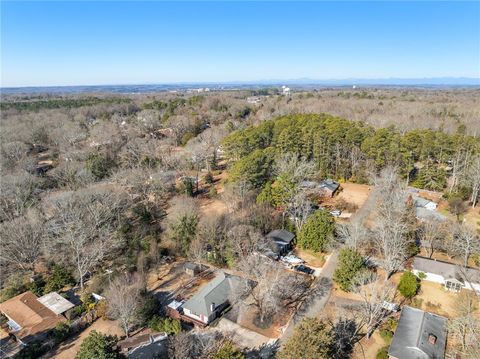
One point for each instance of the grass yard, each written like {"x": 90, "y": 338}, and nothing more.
{"x": 312, "y": 259}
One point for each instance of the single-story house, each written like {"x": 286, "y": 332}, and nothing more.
{"x": 328, "y": 187}
{"x": 419, "y": 335}
{"x": 145, "y": 346}
{"x": 31, "y": 318}
{"x": 452, "y": 276}
{"x": 211, "y": 299}
{"x": 282, "y": 241}
{"x": 427, "y": 215}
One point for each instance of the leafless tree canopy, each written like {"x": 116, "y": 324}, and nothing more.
{"x": 82, "y": 228}
{"x": 124, "y": 298}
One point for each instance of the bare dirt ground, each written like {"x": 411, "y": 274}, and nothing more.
{"x": 368, "y": 348}
{"x": 436, "y": 299}
{"x": 314, "y": 260}
{"x": 215, "y": 206}
{"x": 71, "y": 347}
{"x": 354, "y": 193}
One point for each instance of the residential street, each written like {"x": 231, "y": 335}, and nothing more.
{"x": 314, "y": 305}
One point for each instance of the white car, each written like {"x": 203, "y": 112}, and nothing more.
{"x": 336, "y": 213}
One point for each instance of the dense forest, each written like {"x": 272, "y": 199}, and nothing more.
{"x": 349, "y": 150}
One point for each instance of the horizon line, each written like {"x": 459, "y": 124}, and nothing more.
{"x": 299, "y": 81}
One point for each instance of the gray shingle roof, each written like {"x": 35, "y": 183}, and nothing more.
{"x": 426, "y": 214}
{"x": 329, "y": 184}
{"x": 217, "y": 291}
{"x": 411, "y": 339}
{"x": 446, "y": 270}
{"x": 281, "y": 235}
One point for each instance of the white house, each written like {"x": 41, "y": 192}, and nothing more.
{"x": 453, "y": 277}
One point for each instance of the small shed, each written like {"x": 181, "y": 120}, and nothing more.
{"x": 192, "y": 269}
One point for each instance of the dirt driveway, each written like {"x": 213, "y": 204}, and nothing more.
{"x": 71, "y": 347}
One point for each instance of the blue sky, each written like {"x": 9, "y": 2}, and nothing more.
{"x": 86, "y": 43}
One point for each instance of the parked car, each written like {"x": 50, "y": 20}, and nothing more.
{"x": 291, "y": 260}
{"x": 304, "y": 269}
{"x": 336, "y": 213}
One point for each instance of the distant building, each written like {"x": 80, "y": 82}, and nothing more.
{"x": 419, "y": 335}
{"x": 452, "y": 276}
{"x": 253, "y": 99}
{"x": 211, "y": 300}
{"x": 31, "y": 318}
{"x": 286, "y": 91}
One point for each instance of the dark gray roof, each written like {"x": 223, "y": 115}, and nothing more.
{"x": 217, "y": 291}
{"x": 281, "y": 235}
{"x": 190, "y": 265}
{"x": 329, "y": 184}
{"x": 446, "y": 270}
{"x": 411, "y": 339}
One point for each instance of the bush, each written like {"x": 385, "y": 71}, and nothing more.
{"x": 409, "y": 285}
{"x": 386, "y": 335}
{"x": 316, "y": 232}
{"x": 209, "y": 178}
{"x": 37, "y": 286}
{"x": 350, "y": 264}
{"x": 61, "y": 332}
{"x": 99, "y": 165}
{"x": 59, "y": 278}
{"x": 228, "y": 351}
{"x": 421, "y": 275}
{"x": 100, "y": 346}
{"x": 382, "y": 353}
{"x": 167, "y": 325}
{"x": 31, "y": 351}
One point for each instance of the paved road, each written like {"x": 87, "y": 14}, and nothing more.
{"x": 314, "y": 305}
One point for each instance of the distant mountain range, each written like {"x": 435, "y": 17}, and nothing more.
{"x": 440, "y": 82}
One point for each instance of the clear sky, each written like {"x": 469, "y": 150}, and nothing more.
{"x": 86, "y": 43}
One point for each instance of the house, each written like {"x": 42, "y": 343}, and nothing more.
{"x": 328, "y": 187}
{"x": 145, "y": 346}
{"x": 282, "y": 241}
{"x": 453, "y": 277}
{"x": 419, "y": 335}
{"x": 210, "y": 300}
{"x": 31, "y": 318}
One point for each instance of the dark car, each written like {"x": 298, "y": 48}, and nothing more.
{"x": 304, "y": 269}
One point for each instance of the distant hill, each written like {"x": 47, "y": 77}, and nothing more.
{"x": 295, "y": 83}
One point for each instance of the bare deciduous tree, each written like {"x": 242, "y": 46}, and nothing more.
{"x": 21, "y": 241}
{"x": 472, "y": 178}
{"x": 271, "y": 288}
{"x": 463, "y": 243}
{"x": 124, "y": 298}
{"x": 353, "y": 234}
{"x": 392, "y": 225}
{"x": 465, "y": 326}
{"x": 373, "y": 293}
{"x": 432, "y": 234}
{"x": 82, "y": 227}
